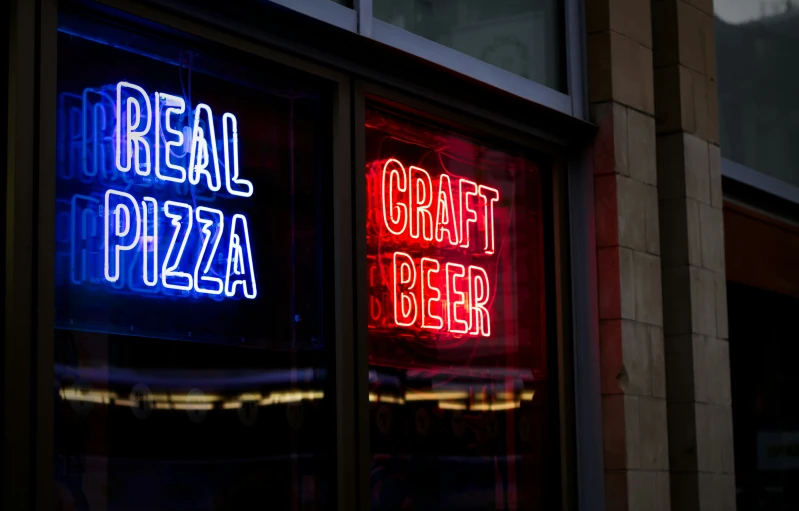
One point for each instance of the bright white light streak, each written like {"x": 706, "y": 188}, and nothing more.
{"x": 232, "y": 174}
{"x": 134, "y": 133}
{"x": 182, "y": 223}
{"x": 112, "y": 274}
{"x": 208, "y": 217}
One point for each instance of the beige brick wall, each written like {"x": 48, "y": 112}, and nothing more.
{"x": 667, "y": 422}
{"x": 692, "y": 237}
{"x": 632, "y": 355}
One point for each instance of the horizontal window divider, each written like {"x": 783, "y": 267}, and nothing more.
{"x": 325, "y": 10}
{"x": 763, "y": 182}
{"x": 462, "y": 63}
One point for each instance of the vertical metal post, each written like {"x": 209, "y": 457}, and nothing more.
{"x": 587, "y": 398}
{"x": 575, "y": 57}
{"x": 43, "y": 355}
{"x": 364, "y": 10}
{"x": 345, "y": 338}
{"x": 358, "y": 184}
{"x": 17, "y": 438}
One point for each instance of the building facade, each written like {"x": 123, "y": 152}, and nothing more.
{"x": 399, "y": 254}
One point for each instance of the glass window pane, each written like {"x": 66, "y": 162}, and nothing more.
{"x": 524, "y": 37}
{"x": 461, "y": 386}
{"x": 758, "y": 102}
{"x": 192, "y": 356}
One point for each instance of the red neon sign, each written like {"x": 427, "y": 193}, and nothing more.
{"x": 414, "y": 213}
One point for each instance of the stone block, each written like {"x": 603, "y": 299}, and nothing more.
{"x": 632, "y": 79}
{"x": 663, "y": 498}
{"x": 606, "y": 211}
{"x": 714, "y": 163}
{"x": 706, "y": 446}
{"x": 596, "y": 16}
{"x": 701, "y": 110}
{"x": 713, "y": 113}
{"x": 718, "y": 371}
{"x": 703, "y": 301}
{"x": 671, "y": 166}
{"x": 680, "y": 372}
{"x": 684, "y": 491}
{"x": 697, "y": 168}
{"x": 722, "y": 327}
{"x": 600, "y": 78}
{"x": 633, "y": 436}
{"x": 709, "y": 38}
{"x": 664, "y": 33}
{"x": 632, "y": 18}
{"x": 716, "y": 492}
{"x": 676, "y": 302}
{"x": 667, "y": 100}
{"x": 642, "y": 147}
{"x": 705, "y": 6}
{"x": 611, "y": 357}
{"x": 608, "y": 283}
{"x": 673, "y": 234}
{"x": 652, "y": 220}
{"x": 702, "y": 376}
{"x": 616, "y": 490}
{"x": 658, "y": 363}
{"x": 723, "y": 431}
{"x": 687, "y": 104}
{"x": 631, "y": 204}
{"x": 614, "y": 431}
{"x": 682, "y": 438}
{"x": 636, "y": 359}
{"x": 648, "y": 292}
{"x": 694, "y": 232}
{"x": 653, "y": 434}
{"x": 711, "y": 227}
{"x": 690, "y": 32}
{"x": 648, "y": 490}
{"x": 610, "y": 144}
{"x": 627, "y": 283}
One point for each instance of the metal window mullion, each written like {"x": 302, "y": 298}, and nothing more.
{"x": 17, "y": 428}
{"x": 575, "y": 57}
{"x": 44, "y": 358}
{"x": 585, "y": 335}
{"x": 365, "y": 16}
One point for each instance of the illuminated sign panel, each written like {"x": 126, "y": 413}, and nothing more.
{"x": 181, "y": 194}
{"x": 147, "y": 245}
{"x": 459, "y": 381}
{"x": 454, "y": 244}
{"x": 421, "y": 210}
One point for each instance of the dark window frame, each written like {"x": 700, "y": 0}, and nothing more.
{"x": 28, "y": 412}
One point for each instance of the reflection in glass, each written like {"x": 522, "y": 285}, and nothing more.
{"x": 191, "y": 358}
{"x": 756, "y": 45}
{"x": 524, "y": 37}
{"x": 459, "y": 381}
{"x": 765, "y": 416}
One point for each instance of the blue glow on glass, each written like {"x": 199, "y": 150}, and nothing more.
{"x": 148, "y": 166}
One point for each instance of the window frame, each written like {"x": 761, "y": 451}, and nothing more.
{"x": 360, "y": 19}
{"x": 28, "y": 411}
{"x": 759, "y": 180}
{"x": 565, "y": 330}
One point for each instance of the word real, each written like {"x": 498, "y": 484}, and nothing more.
{"x": 158, "y": 240}
{"x": 420, "y": 212}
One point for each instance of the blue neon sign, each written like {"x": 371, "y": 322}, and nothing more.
{"x": 158, "y": 219}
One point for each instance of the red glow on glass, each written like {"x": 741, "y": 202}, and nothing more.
{"x": 417, "y": 212}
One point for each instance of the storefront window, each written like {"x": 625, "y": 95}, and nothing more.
{"x": 524, "y": 37}
{"x": 192, "y": 355}
{"x": 765, "y": 415}
{"x": 460, "y": 379}
{"x": 757, "y": 85}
